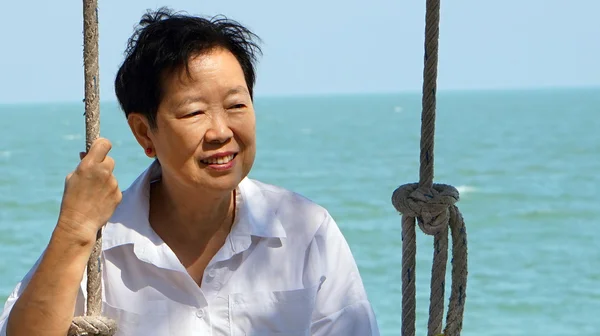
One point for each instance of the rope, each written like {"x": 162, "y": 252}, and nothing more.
{"x": 93, "y": 323}
{"x": 432, "y": 205}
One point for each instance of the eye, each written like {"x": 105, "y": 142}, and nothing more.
{"x": 237, "y": 107}
{"x": 193, "y": 114}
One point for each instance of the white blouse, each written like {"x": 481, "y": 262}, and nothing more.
{"x": 285, "y": 269}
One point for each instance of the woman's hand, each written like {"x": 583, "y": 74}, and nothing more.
{"x": 91, "y": 194}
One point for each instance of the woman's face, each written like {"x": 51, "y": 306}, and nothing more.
{"x": 205, "y": 134}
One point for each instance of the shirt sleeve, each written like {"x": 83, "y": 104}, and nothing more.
{"x": 14, "y": 295}
{"x": 341, "y": 306}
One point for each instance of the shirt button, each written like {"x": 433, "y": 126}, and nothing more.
{"x": 200, "y": 313}
{"x": 212, "y": 273}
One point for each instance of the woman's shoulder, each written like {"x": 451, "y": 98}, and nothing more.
{"x": 291, "y": 207}
{"x": 280, "y": 196}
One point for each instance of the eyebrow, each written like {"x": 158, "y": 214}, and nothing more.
{"x": 236, "y": 90}
{"x": 189, "y": 100}
{"x": 194, "y": 99}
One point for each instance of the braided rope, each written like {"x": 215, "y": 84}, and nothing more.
{"x": 433, "y": 207}
{"x": 93, "y": 323}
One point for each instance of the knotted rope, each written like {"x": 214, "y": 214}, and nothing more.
{"x": 433, "y": 207}
{"x": 93, "y": 323}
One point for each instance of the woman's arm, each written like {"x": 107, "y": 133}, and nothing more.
{"x": 47, "y": 300}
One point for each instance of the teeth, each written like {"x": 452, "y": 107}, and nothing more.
{"x": 220, "y": 160}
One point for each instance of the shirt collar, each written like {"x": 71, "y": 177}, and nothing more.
{"x": 255, "y": 215}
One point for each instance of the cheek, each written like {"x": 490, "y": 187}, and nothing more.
{"x": 247, "y": 137}
{"x": 176, "y": 141}
{"x": 245, "y": 128}
{"x": 251, "y": 135}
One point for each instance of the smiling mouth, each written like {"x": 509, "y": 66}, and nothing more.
{"x": 220, "y": 160}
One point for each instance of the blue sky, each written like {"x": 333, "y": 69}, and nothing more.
{"x": 321, "y": 47}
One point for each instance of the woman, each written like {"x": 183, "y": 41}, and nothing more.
{"x": 193, "y": 246}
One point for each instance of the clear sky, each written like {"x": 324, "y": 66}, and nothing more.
{"x": 322, "y": 46}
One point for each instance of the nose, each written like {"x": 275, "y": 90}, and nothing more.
{"x": 218, "y": 131}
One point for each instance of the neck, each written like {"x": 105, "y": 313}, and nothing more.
{"x": 188, "y": 215}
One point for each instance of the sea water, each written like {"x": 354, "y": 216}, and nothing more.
{"x": 527, "y": 164}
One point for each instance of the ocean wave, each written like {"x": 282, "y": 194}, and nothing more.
{"x": 70, "y": 137}
{"x": 465, "y": 189}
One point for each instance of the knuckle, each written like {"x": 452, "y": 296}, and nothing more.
{"x": 84, "y": 166}
{"x": 105, "y": 173}
{"x": 116, "y": 189}
{"x": 112, "y": 183}
{"x": 110, "y": 162}
{"x": 118, "y": 197}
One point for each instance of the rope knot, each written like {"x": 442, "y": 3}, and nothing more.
{"x": 92, "y": 325}
{"x": 430, "y": 206}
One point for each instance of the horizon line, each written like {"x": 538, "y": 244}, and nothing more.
{"x": 349, "y": 93}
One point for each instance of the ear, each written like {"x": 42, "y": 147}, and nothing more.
{"x": 140, "y": 127}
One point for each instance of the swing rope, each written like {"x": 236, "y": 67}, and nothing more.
{"x": 432, "y": 205}
{"x": 93, "y": 323}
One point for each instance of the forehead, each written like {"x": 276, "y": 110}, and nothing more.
{"x": 215, "y": 69}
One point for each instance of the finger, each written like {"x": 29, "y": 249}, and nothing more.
{"x": 119, "y": 197}
{"x": 99, "y": 150}
{"x": 113, "y": 184}
{"x": 110, "y": 163}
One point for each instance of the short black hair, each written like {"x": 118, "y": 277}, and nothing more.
{"x": 165, "y": 41}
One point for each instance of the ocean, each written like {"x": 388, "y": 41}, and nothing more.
{"x": 527, "y": 164}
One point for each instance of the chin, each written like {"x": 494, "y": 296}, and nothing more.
{"x": 225, "y": 182}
